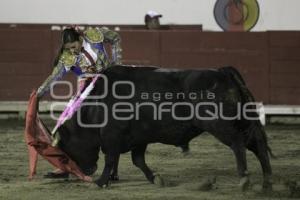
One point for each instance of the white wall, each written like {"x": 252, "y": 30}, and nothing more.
{"x": 275, "y": 14}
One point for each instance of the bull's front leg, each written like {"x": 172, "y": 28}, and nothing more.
{"x": 114, "y": 174}
{"x": 110, "y": 162}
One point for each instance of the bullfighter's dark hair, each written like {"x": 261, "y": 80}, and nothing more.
{"x": 68, "y": 35}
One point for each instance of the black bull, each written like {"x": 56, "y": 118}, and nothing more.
{"x": 143, "y": 105}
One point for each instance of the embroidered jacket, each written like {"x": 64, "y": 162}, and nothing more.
{"x": 92, "y": 59}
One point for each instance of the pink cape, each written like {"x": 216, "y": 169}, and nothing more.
{"x": 39, "y": 142}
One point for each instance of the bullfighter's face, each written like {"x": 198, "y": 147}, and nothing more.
{"x": 74, "y": 47}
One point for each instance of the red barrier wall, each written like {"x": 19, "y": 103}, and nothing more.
{"x": 269, "y": 61}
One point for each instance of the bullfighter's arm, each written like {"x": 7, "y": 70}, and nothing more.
{"x": 66, "y": 61}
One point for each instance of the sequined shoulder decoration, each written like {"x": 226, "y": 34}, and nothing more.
{"x": 93, "y": 35}
{"x": 67, "y": 58}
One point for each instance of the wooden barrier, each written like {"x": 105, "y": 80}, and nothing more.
{"x": 269, "y": 61}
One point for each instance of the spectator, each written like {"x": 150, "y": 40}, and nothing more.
{"x": 152, "y": 20}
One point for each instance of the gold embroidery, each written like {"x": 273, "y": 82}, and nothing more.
{"x": 67, "y": 58}
{"x": 94, "y": 35}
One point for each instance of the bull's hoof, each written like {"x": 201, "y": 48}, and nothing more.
{"x": 244, "y": 183}
{"x": 293, "y": 187}
{"x": 105, "y": 185}
{"x": 267, "y": 187}
{"x": 207, "y": 184}
{"x": 102, "y": 184}
{"x": 186, "y": 153}
{"x": 185, "y": 149}
{"x": 113, "y": 177}
{"x": 158, "y": 180}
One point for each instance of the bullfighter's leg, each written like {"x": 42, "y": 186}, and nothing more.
{"x": 240, "y": 155}
{"x": 114, "y": 174}
{"x": 138, "y": 159}
{"x": 110, "y": 160}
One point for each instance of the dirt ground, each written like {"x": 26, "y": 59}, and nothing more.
{"x": 182, "y": 174}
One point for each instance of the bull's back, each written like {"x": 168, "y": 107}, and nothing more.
{"x": 152, "y": 85}
{"x": 162, "y": 77}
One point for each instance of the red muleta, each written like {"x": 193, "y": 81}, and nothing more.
{"x": 38, "y": 140}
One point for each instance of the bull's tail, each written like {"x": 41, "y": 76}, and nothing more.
{"x": 239, "y": 81}
{"x": 255, "y": 129}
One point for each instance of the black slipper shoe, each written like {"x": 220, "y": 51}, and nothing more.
{"x": 56, "y": 175}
